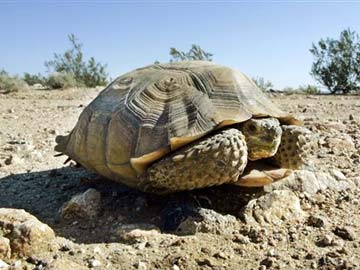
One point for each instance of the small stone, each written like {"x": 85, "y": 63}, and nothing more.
{"x": 220, "y": 255}
{"x": 351, "y": 117}
{"x": 175, "y": 267}
{"x": 345, "y": 233}
{"x": 8, "y": 160}
{"x": 310, "y": 256}
{"x": 238, "y": 238}
{"x": 85, "y": 205}
{"x": 94, "y": 263}
{"x": 205, "y": 262}
{"x": 141, "y": 265}
{"x": 3, "y": 265}
{"x": 137, "y": 232}
{"x": 316, "y": 221}
{"x": 325, "y": 241}
{"x": 268, "y": 262}
{"x": 272, "y": 253}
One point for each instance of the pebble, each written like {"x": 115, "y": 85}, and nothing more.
{"x": 3, "y": 265}
{"x": 325, "y": 240}
{"x": 345, "y": 233}
{"x": 94, "y": 263}
{"x": 316, "y": 221}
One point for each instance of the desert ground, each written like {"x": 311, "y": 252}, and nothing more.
{"x": 311, "y": 223}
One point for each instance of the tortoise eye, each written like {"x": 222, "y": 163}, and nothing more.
{"x": 252, "y": 127}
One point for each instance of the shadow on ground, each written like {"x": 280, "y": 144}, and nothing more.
{"x": 43, "y": 193}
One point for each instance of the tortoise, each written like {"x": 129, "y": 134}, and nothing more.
{"x": 185, "y": 125}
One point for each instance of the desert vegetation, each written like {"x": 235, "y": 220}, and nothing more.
{"x": 336, "y": 67}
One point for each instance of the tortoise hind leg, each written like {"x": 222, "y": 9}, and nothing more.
{"x": 297, "y": 144}
{"x": 213, "y": 160}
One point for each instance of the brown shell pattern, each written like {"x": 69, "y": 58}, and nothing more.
{"x": 146, "y": 113}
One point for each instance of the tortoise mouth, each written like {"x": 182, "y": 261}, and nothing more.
{"x": 263, "y": 147}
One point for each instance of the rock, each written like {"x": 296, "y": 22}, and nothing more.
{"x": 93, "y": 263}
{"x": 138, "y": 232}
{"x": 340, "y": 144}
{"x": 64, "y": 264}
{"x": 26, "y": 233}
{"x": 317, "y": 221}
{"x": 325, "y": 241}
{"x": 273, "y": 208}
{"x": 5, "y": 250}
{"x": 3, "y": 265}
{"x": 345, "y": 233}
{"x": 82, "y": 206}
{"x": 207, "y": 221}
{"x": 141, "y": 265}
{"x": 311, "y": 182}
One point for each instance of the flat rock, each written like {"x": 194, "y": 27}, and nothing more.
{"x": 207, "y": 221}
{"x": 273, "y": 208}
{"x": 82, "y": 206}
{"x": 26, "y": 233}
{"x": 312, "y": 182}
{"x": 137, "y": 232}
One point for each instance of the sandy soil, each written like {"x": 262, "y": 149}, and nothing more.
{"x": 31, "y": 178}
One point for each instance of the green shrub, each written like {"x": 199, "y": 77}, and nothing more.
{"x": 337, "y": 62}
{"x": 89, "y": 73}
{"x": 262, "y": 84}
{"x": 11, "y": 83}
{"x": 61, "y": 80}
{"x": 310, "y": 89}
{"x": 34, "y": 79}
{"x": 195, "y": 53}
{"x": 289, "y": 90}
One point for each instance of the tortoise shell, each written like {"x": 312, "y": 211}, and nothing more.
{"x": 151, "y": 111}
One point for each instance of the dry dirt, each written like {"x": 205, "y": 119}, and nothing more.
{"x": 31, "y": 178}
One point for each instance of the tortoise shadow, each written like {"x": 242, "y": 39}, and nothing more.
{"x": 43, "y": 193}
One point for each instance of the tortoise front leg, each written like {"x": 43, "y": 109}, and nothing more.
{"x": 297, "y": 144}
{"x": 213, "y": 160}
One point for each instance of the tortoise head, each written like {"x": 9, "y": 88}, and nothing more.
{"x": 262, "y": 137}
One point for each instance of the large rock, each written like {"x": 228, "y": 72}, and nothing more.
{"x": 312, "y": 181}
{"x": 207, "y": 221}
{"x": 26, "y": 233}
{"x": 5, "y": 250}
{"x": 82, "y": 206}
{"x": 273, "y": 208}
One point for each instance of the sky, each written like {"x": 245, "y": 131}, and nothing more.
{"x": 269, "y": 39}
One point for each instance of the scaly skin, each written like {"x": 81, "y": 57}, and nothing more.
{"x": 216, "y": 159}
{"x": 297, "y": 145}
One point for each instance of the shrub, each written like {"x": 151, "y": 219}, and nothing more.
{"x": 89, "y": 73}
{"x": 61, "y": 80}
{"x": 11, "y": 83}
{"x": 289, "y": 90}
{"x": 34, "y": 79}
{"x": 310, "y": 89}
{"x": 195, "y": 53}
{"x": 337, "y": 62}
{"x": 262, "y": 84}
